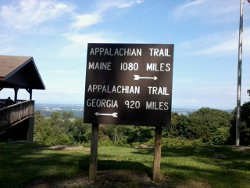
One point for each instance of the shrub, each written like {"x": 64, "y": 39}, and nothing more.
{"x": 209, "y": 125}
{"x": 244, "y": 125}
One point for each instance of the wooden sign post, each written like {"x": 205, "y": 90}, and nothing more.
{"x": 93, "y": 153}
{"x": 157, "y": 155}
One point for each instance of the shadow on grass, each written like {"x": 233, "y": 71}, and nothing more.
{"x": 22, "y": 163}
{"x": 225, "y": 153}
{"x": 116, "y": 165}
{"x": 218, "y": 165}
{"x": 221, "y": 156}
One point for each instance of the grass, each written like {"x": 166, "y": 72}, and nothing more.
{"x": 192, "y": 166}
{"x": 21, "y": 163}
{"x": 215, "y": 166}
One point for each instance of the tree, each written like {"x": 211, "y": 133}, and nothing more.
{"x": 244, "y": 125}
{"x": 79, "y": 132}
{"x": 51, "y": 131}
{"x": 209, "y": 125}
{"x": 179, "y": 126}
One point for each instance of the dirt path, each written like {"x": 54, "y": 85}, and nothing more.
{"x": 106, "y": 179}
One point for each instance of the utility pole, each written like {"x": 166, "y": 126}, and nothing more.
{"x": 248, "y": 91}
{"x": 237, "y": 138}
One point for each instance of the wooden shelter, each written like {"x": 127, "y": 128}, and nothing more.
{"x": 19, "y": 72}
{"x": 17, "y": 117}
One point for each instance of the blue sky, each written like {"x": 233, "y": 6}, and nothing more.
{"x": 204, "y": 32}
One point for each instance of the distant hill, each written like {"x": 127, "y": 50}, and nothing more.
{"x": 77, "y": 109}
{"x": 47, "y": 109}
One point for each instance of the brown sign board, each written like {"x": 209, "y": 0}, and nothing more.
{"x": 129, "y": 84}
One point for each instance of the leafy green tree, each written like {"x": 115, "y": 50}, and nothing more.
{"x": 41, "y": 129}
{"x": 115, "y": 133}
{"x": 51, "y": 131}
{"x": 79, "y": 132}
{"x": 138, "y": 134}
{"x": 208, "y": 124}
{"x": 179, "y": 126}
{"x": 126, "y": 135}
{"x": 244, "y": 125}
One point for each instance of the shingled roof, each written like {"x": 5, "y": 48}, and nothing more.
{"x": 20, "y": 72}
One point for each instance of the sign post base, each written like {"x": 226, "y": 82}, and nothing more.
{"x": 93, "y": 153}
{"x": 157, "y": 155}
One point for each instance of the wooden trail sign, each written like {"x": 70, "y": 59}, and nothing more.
{"x": 129, "y": 84}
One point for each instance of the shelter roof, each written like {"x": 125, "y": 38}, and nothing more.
{"x": 19, "y": 71}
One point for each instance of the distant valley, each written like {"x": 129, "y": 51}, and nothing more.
{"x": 77, "y": 109}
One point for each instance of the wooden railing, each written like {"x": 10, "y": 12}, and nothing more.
{"x": 15, "y": 113}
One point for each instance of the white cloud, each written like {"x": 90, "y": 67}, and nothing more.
{"x": 208, "y": 10}
{"x": 85, "y": 20}
{"x": 5, "y": 40}
{"x": 188, "y": 8}
{"x": 105, "y": 5}
{"x": 28, "y": 13}
{"x": 127, "y": 4}
{"x": 82, "y": 21}
{"x": 6, "y": 50}
{"x": 217, "y": 44}
{"x": 81, "y": 39}
{"x": 227, "y": 45}
{"x": 224, "y": 45}
{"x": 78, "y": 43}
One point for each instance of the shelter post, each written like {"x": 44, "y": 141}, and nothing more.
{"x": 16, "y": 91}
{"x": 30, "y": 92}
{"x": 30, "y": 132}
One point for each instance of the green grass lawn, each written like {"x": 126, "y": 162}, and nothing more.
{"x": 197, "y": 166}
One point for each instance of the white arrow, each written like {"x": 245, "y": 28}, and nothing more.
{"x": 114, "y": 115}
{"x": 137, "y": 77}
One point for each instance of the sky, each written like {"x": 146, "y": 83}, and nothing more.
{"x": 204, "y": 33}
